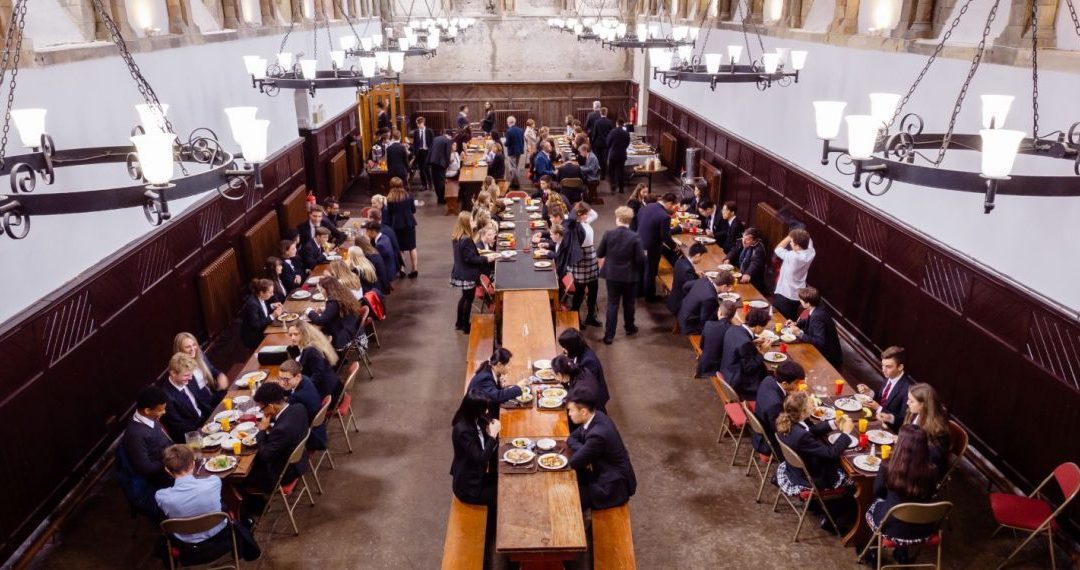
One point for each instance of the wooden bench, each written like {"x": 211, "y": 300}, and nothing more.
{"x": 566, "y": 320}
{"x": 695, "y": 341}
{"x": 481, "y": 343}
{"x": 665, "y": 275}
{"x": 613, "y": 540}
{"x": 451, "y": 196}
{"x": 465, "y": 532}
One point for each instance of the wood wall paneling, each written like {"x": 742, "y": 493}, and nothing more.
{"x": 990, "y": 348}
{"x": 293, "y": 210}
{"x": 322, "y": 144}
{"x": 261, "y": 241}
{"x": 338, "y": 174}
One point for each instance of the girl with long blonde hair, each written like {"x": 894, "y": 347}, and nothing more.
{"x": 316, "y": 355}
{"x": 400, "y": 215}
{"x": 468, "y": 264}
{"x": 206, "y": 375}
{"x": 341, "y": 271}
{"x": 822, "y": 459}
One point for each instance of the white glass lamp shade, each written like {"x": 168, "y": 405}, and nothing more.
{"x": 654, "y": 30}
{"x": 571, "y": 23}
{"x": 713, "y": 61}
{"x": 253, "y": 140}
{"x": 661, "y": 58}
{"x": 770, "y": 61}
{"x": 451, "y": 31}
{"x": 403, "y": 44}
{"x": 367, "y": 66}
{"x": 883, "y": 107}
{"x": 260, "y": 71}
{"x": 692, "y": 33}
{"x": 389, "y": 32}
{"x": 443, "y": 22}
{"x": 376, "y": 39}
{"x": 382, "y": 58}
{"x": 31, "y": 125}
{"x": 862, "y": 132}
{"x": 734, "y": 54}
{"x": 995, "y": 108}
{"x": 798, "y": 59}
{"x": 685, "y": 52}
{"x": 678, "y": 33}
{"x": 784, "y": 53}
{"x": 251, "y": 64}
{"x": 285, "y": 60}
{"x": 642, "y": 32}
{"x": 239, "y": 117}
{"x": 433, "y": 40}
{"x": 338, "y": 57}
{"x": 155, "y": 152}
{"x": 366, "y": 44}
{"x": 307, "y": 68}
{"x": 454, "y": 22}
{"x": 620, "y": 30}
{"x": 999, "y": 148}
{"x": 827, "y": 117}
{"x": 152, "y": 117}
{"x": 397, "y": 61}
{"x": 347, "y": 42}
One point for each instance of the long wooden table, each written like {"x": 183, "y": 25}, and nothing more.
{"x": 539, "y": 520}
{"x": 819, "y": 374}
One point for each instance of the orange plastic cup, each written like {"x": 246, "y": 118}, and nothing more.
{"x": 886, "y": 451}
{"x": 778, "y": 327}
{"x": 802, "y": 386}
{"x": 225, "y": 424}
{"x": 236, "y": 447}
{"x": 839, "y": 415}
{"x": 839, "y": 383}
{"x": 227, "y": 402}
{"x": 863, "y": 424}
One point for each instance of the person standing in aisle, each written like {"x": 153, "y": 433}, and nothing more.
{"x": 618, "y": 141}
{"x": 438, "y": 161}
{"x": 422, "y": 139}
{"x": 622, "y": 261}
{"x": 515, "y": 147}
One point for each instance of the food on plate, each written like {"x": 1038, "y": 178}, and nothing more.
{"x": 545, "y": 444}
{"x": 517, "y": 456}
{"x": 759, "y": 304}
{"x": 823, "y": 413}
{"x": 788, "y": 337}
{"x": 848, "y": 404}
{"x": 521, "y": 442}
{"x": 545, "y": 374}
{"x": 318, "y": 297}
{"x": 552, "y": 461}
{"x": 554, "y": 393}
{"x": 880, "y": 437}
{"x": 289, "y": 317}
{"x": 219, "y": 463}
{"x": 549, "y": 402}
{"x": 541, "y": 364}
{"x": 775, "y": 357}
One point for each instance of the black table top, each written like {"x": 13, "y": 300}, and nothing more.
{"x": 520, "y": 274}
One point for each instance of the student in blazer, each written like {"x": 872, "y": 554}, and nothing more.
{"x": 282, "y": 428}
{"x": 256, "y": 314}
{"x": 623, "y": 259}
{"x": 891, "y": 402}
{"x": 654, "y": 228}
{"x": 145, "y": 439}
{"x": 816, "y": 326}
{"x": 606, "y": 476}
{"x": 712, "y": 339}
{"x": 184, "y": 412}
{"x": 486, "y": 381}
{"x": 821, "y": 458}
{"x": 682, "y": 273}
{"x": 742, "y": 364}
{"x": 476, "y": 447}
{"x": 770, "y": 401}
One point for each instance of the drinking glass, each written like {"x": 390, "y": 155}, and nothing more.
{"x": 193, "y": 439}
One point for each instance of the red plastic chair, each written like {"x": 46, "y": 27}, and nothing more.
{"x": 485, "y": 292}
{"x": 378, "y": 313}
{"x": 734, "y": 417}
{"x": 517, "y": 194}
{"x": 1033, "y": 514}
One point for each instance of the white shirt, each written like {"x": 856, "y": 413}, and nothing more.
{"x": 144, "y": 420}
{"x": 197, "y": 376}
{"x": 750, "y": 330}
{"x": 423, "y": 140}
{"x": 793, "y": 271}
{"x": 890, "y": 383}
{"x": 480, "y": 433}
{"x": 588, "y": 423}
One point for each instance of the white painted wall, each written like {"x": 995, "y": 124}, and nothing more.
{"x": 144, "y": 14}
{"x": 90, "y": 104}
{"x": 48, "y": 23}
{"x": 1032, "y": 240}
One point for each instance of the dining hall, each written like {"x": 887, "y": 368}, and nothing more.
{"x": 727, "y": 291}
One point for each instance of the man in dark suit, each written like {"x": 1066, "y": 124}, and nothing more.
{"x": 750, "y": 257}
{"x": 317, "y": 219}
{"x": 622, "y": 260}
{"x": 682, "y": 273}
{"x": 728, "y": 230}
{"x": 292, "y": 270}
{"x": 816, "y": 326}
{"x": 605, "y": 475}
{"x": 183, "y": 411}
{"x": 618, "y": 141}
{"x": 395, "y": 247}
{"x": 438, "y": 160}
{"x": 303, "y": 391}
{"x": 598, "y": 136}
{"x": 422, "y": 139}
{"x": 282, "y": 428}
{"x": 891, "y": 403}
{"x": 592, "y": 116}
{"x": 463, "y": 117}
{"x": 742, "y": 365}
{"x": 515, "y": 148}
{"x": 397, "y": 158}
{"x": 312, "y": 252}
{"x": 382, "y": 118}
{"x": 712, "y": 339}
{"x": 654, "y": 227}
{"x": 769, "y": 403}
{"x": 568, "y": 169}
{"x": 144, "y": 441}
{"x": 701, "y": 301}
{"x": 710, "y": 218}
{"x": 382, "y": 243}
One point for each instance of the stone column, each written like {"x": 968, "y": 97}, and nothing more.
{"x": 118, "y": 12}
{"x": 845, "y": 18}
{"x": 793, "y": 18}
{"x": 233, "y": 15}
{"x": 1017, "y": 33}
{"x": 179, "y": 12}
{"x": 916, "y": 20}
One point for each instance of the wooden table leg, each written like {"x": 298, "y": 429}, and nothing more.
{"x": 864, "y": 495}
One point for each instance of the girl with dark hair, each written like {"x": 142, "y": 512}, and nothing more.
{"x": 476, "y": 445}
{"x": 581, "y": 384}
{"x": 258, "y": 312}
{"x": 340, "y": 318}
{"x": 586, "y": 271}
{"x": 573, "y": 343}
{"x": 272, "y": 270}
{"x": 490, "y": 380}
{"x": 926, "y": 411}
{"x": 488, "y": 122}
{"x": 908, "y": 476}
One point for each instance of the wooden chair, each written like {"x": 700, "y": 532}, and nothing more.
{"x": 958, "y": 444}
{"x": 613, "y": 539}
{"x": 344, "y": 410}
{"x": 192, "y": 525}
{"x": 756, "y": 427}
{"x": 1034, "y": 514}
{"x": 914, "y": 513}
{"x": 733, "y": 416}
{"x": 320, "y": 420}
{"x": 466, "y": 532}
{"x": 284, "y": 491}
{"x": 808, "y": 495}
{"x": 517, "y": 194}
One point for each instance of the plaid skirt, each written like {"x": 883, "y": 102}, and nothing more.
{"x": 462, "y": 284}
{"x": 871, "y": 520}
{"x": 791, "y": 488}
{"x": 587, "y": 269}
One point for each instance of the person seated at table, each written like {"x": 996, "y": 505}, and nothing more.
{"x": 712, "y": 339}
{"x": 484, "y": 198}
{"x": 192, "y": 497}
{"x": 313, "y": 351}
{"x": 569, "y": 169}
{"x": 140, "y": 456}
{"x": 281, "y": 429}
{"x": 604, "y": 472}
{"x": 926, "y": 411}
{"x": 816, "y": 326}
{"x": 683, "y": 273}
{"x": 476, "y": 450}
{"x": 490, "y": 380}
{"x": 700, "y": 302}
{"x": 334, "y": 215}
{"x": 210, "y": 383}
{"x": 184, "y": 412}
{"x": 292, "y": 268}
{"x": 907, "y": 476}
{"x": 368, "y": 252}
{"x": 822, "y": 459}
{"x": 272, "y": 270}
{"x": 454, "y": 166}
{"x": 381, "y": 240}
{"x": 742, "y": 364}
{"x": 340, "y": 317}
{"x": 313, "y": 252}
{"x": 890, "y": 404}
{"x": 769, "y": 403}
{"x": 692, "y": 203}
{"x": 303, "y": 391}
{"x": 574, "y": 345}
{"x": 542, "y": 164}
{"x": 749, "y": 257}
{"x": 579, "y": 381}
{"x": 317, "y": 219}
{"x": 590, "y": 165}
{"x": 256, "y": 313}
{"x": 340, "y": 270}
{"x": 709, "y": 217}
{"x": 729, "y": 229}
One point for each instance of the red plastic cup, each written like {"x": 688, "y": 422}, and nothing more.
{"x": 839, "y": 384}
{"x": 783, "y": 348}
{"x": 864, "y": 440}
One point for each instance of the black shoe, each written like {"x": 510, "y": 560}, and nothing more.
{"x": 466, "y": 329}
{"x": 401, "y": 274}
{"x": 631, "y": 331}
{"x": 653, "y": 299}
{"x": 826, "y": 525}
{"x": 414, "y": 274}
{"x": 592, "y": 322}
{"x": 870, "y": 559}
{"x": 608, "y": 340}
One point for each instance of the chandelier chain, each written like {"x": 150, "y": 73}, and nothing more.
{"x": 329, "y": 38}
{"x": 975, "y": 61}
{"x": 17, "y": 25}
{"x": 929, "y": 62}
{"x": 1035, "y": 70}
{"x": 281, "y": 48}
{"x": 348, "y": 18}
{"x": 1072, "y": 14}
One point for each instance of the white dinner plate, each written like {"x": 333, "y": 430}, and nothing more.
{"x": 775, "y": 357}
{"x": 558, "y": 461}
{"x": 518, "y": 456}
{"x": 300, "y": 294}
{"x": 227, "y": 461}
{"x": 848, "y": 404}
{"x": 880, "y": 437}
{"x": 542, "y": 264}
{"x": 868, "y": 463}
{"x": 759, "y": 304}
{"x": 231, "y": 414}
{"x": 545, "y": 444}
{"x": 541, "y": 364}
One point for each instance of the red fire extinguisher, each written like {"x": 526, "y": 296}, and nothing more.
{"x": 310, "y": 199}
{"x": 633, "y": 113}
